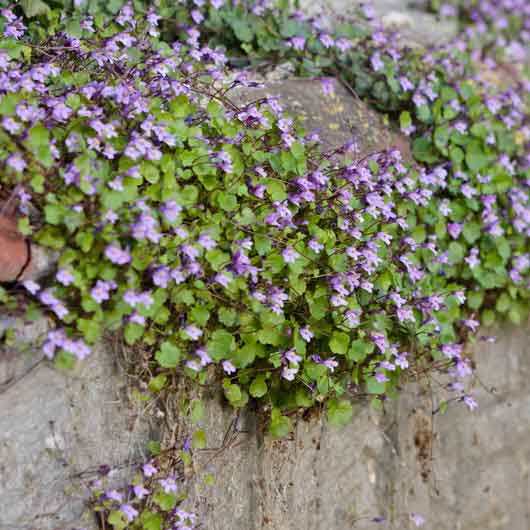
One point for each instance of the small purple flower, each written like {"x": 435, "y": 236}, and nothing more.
{"x": 306, "y": 333}
{"x": 297, "y": 42}
{"x": 315, "y": 246}
{"x": 149, "y": 470}
{"x": 228, "y": 367}
{"x": 206, "y": 242}
{"x": 454, "y": 229}
{"x": 168, "y": 484}
{"x": 171, "y": 210}
{"x": 292, "y": 357}
{"x": 473, "y": 260}
{"x": 406, "y": 85}
{"x": 470, "y": 402}
{"x": 114, "y": 495}
{"x": 328, "y": 86}
{"x": 193, "y": 332}
{"x": 129, "y": 511}
{"x": 290, "y": 255}
{"x": 331, "y": 364}
{"x": 16, "y": 162}
{"x": 65, "y": 277}
{"x": 289, "y": 373}
{"x": 31, "y": 286}
{"x": 140, "y": 491}
{"x": 418, "y": 520}
{"x": 117, "y": 255}
{"x": 326, "y": 40}
{"x": 162, "y": 276}
{"x": 224, "y": 279}
{"x": 380, "y": 377}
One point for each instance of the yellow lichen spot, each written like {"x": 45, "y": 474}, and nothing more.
{"x": 519, "y": 138}
{"x": 335, "y": 109}
{"x": 333, "y": 126}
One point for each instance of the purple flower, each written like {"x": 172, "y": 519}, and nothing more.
{"x": 206, "y": 242}
{"x": 290, "y": 255}
{"x": 137, "y": 319}
{"x": 297, "y": 42}
{"x": 65, "y": 277}
{"x": 470, "y": 402}
{"x": 193, "y": 332}
{"x": 223, "y": 278}
{"x": 315, "y": 246}
{"x": 406, "y": 85}
{"x": 117, "y": 255}
{"x": 129, "y": 511}
{"x": 114, "y": 495}
{"x": 146, "y": 228}
{"x": 16, "y": 162}
{"x": 376, "y": 62}
{"x": 168, "y": 484}
{"x": 228, "y": 367}
{"x": 11, "y": 125}
{"x": 326, "y": 40}
{"x": 418, "y": 520}
{"x": 289, "y": 373}
{"x": 149, "y": 470}
{"x": 331, "y": 364}
{"x": 101, "y": 291}
{"x": 171, "y": 210}
{"x": 31, "y": 286}
{"x": 162, "y": 276}
{"x": 306, "y": 333}
{"x": 328, "y": 86}
{"x": 473, "y": 260}
{"x": 292, "y": 357}
{"x": 380, "y": 377}
{"x": 140, "y": 491}
{"x": 454, "y": 229}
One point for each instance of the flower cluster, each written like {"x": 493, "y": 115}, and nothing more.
{"x": 218, "y": 234}
{"x": 152, "y": 499}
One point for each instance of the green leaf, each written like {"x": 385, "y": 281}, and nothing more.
{"x": 132, "y": 332}
{"x": 157, "y": 383}
{"x": 152, "y": 521}
{"x": 169, "y": 355}
{"x": 197, "y": 411}
{"x": 279, "y": 426}
{"x": 504, "y": 302}
{"x": 476, "y": 159}
{"x": 221, "y": 344}
{"x": 471, "y": 231}
{"x": 117, "y": 519}
{"x": 166, "y": 501}
{"x": 339, "y": 412}
{"x": 359, "y": 349}
{"x": 35, "y": 8}
{"x": 198, "y": 440}
{"x": 339, "y": 342}
{"x": 258, "y": 387}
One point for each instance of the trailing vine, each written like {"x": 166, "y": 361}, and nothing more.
{"x": 221, "y": 239}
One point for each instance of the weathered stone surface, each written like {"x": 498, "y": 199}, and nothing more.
{"x": 339, "y": 118}
{"x": 415, "y": 25}
{"x": 54, "y": 430}
{"x": 460, "y": 470}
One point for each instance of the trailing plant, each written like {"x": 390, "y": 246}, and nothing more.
{"x": 218, "y": 238}
{"x": 218, "y": 234}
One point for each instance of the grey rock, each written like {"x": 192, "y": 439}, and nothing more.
{"x": 338, "y": 119}
{"x": 416, "y": 26}
{"x": 56, "y": 429}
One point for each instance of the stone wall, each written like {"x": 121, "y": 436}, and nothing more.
{"x": 460, "y": 470}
